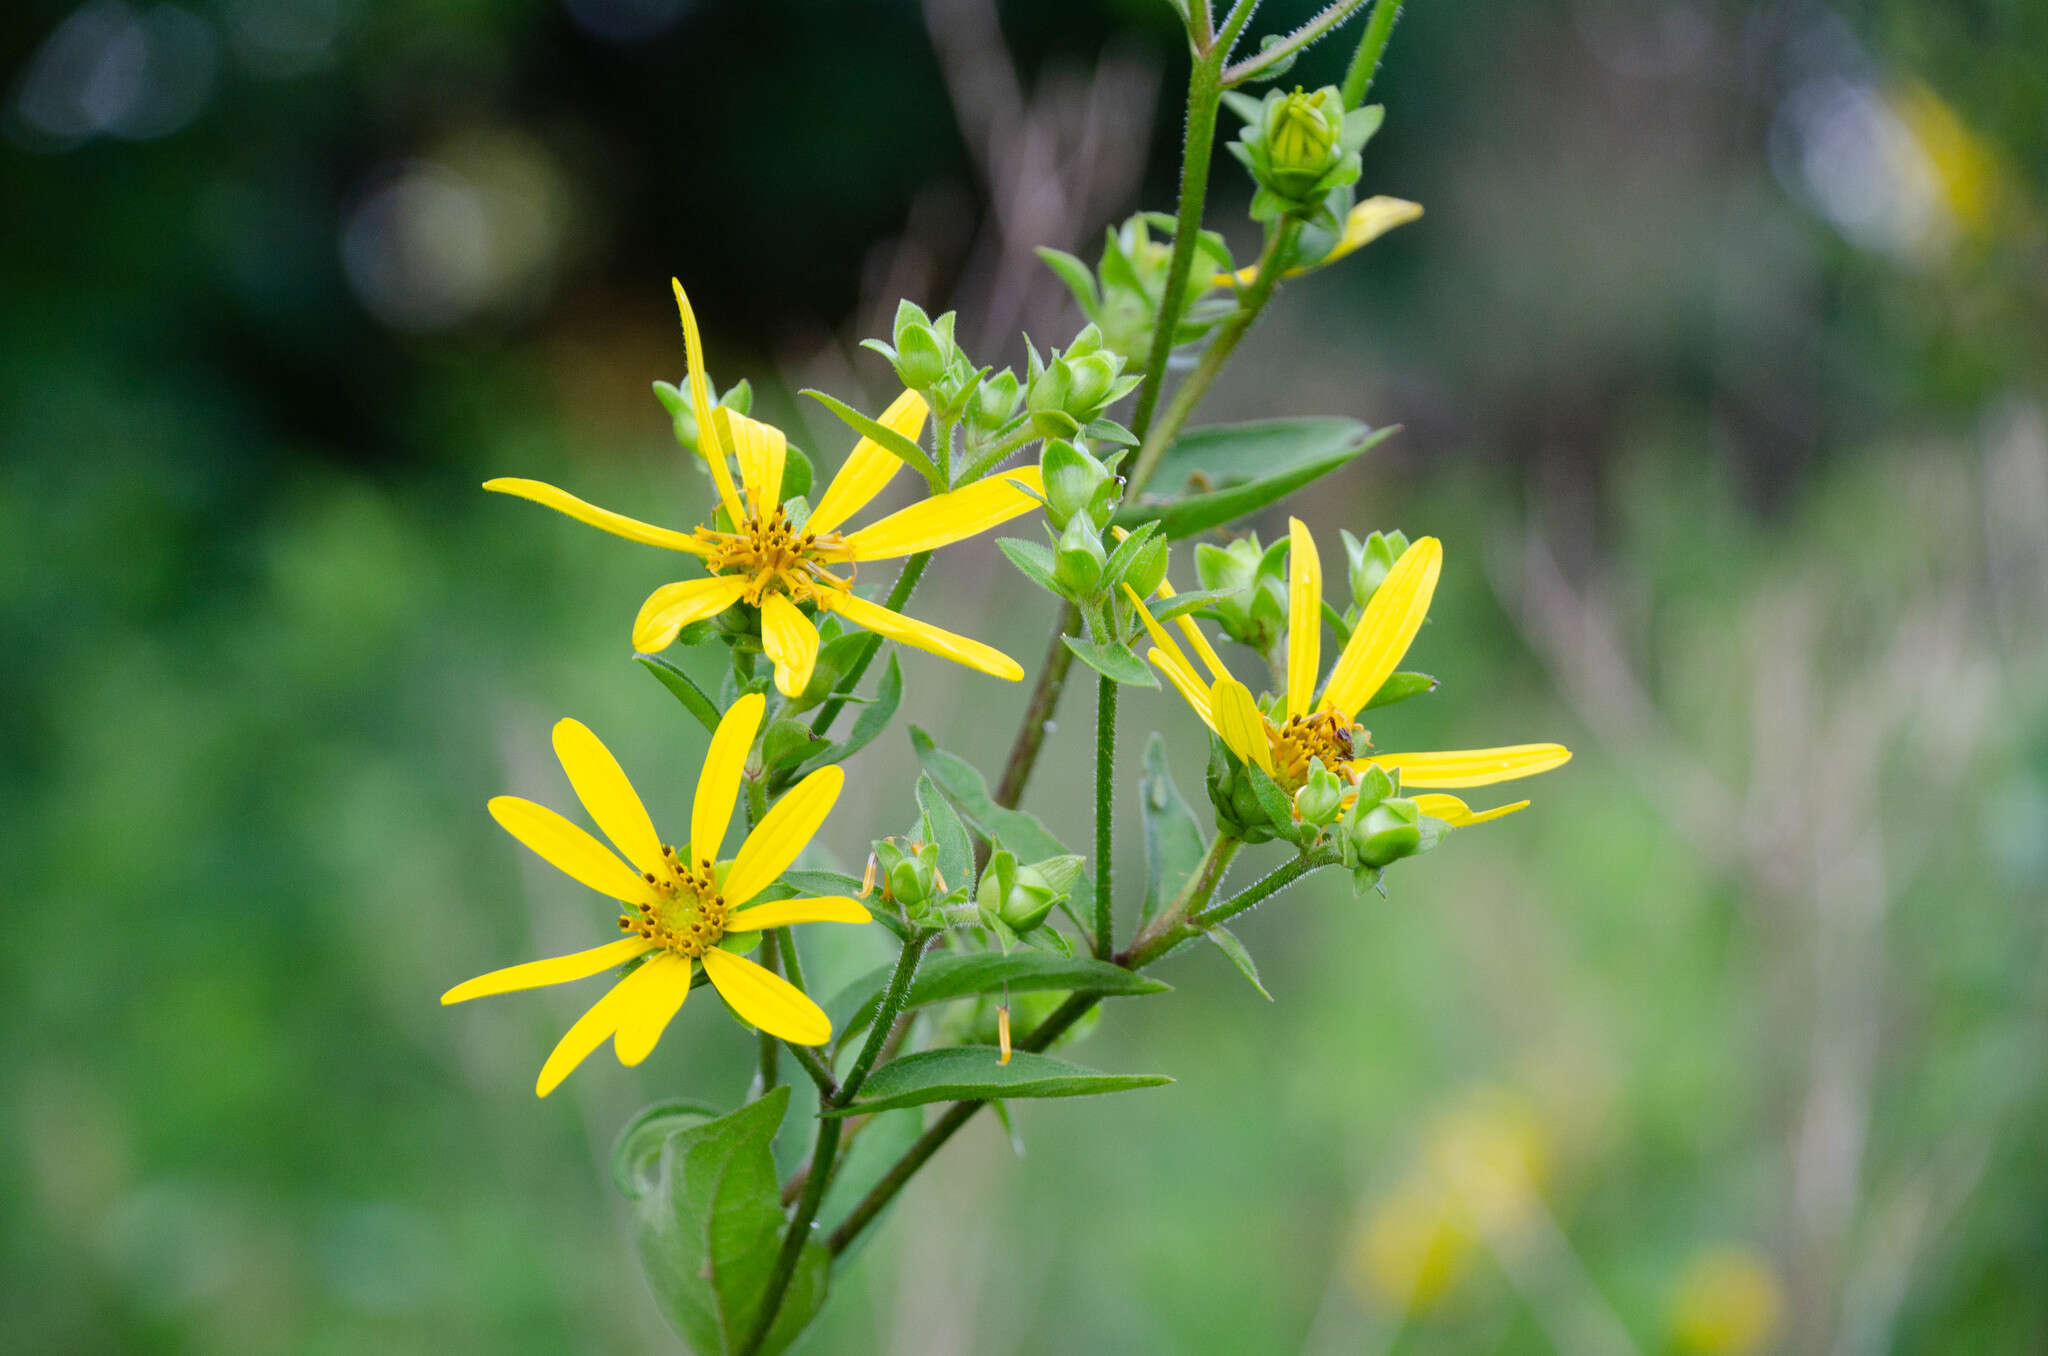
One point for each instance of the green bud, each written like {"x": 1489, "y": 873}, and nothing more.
{"x": 1148, "y": 569}
{"x": 1079, "y": 558}
{"x": 1321, "y": 797}
{"x": 1301, "y": 138}
{"x": 996, "y": 400}
{"x": 1254, "y": 612}
{"x": 905, "y": 885}
{"x": 1021, "y": 896}
{"x": 1072, "y": 480}
{"x": 920, "y": 362}
{"x": 1301, "y": 148}
{"x": 1074, "y": 387}
{"x": 1374, "y": 786}
{"x": 1371, "y": 561}
{"x": 1386, "y": 833}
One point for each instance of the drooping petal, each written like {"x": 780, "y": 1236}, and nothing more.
{"x": 923, "y": 635}
{"x": 790, "y": 641}
{"x": 654, "y": 1004}
{"x": 760, "y": 449}
{"x": 1472, "y": 767}
{"x": 1184, "y": 682}
{"x": 1384, "y": 633}
{"x": 869, "y": 467}
{"x": 601, "y": 785}
{"x": 1365, "y": 223}
{"x": 1240, "y": 724}
{"x": 1198, "y": 641}
{"x": 700, "y": 405}
{"x": 1304, "y": 618}
{"x": 949, "y": 517}
{"x": 569, "y": 849}
{"x": 673, "y": 606}
{"x": 788, "y": 912}
{"x": 554, "y": 970}
{"x": 1459, "y": 815}
{"x": 782, "y": 833}
{"x": 766, "y": 999}
{"x": 618, "y": 524}
{"x": 592, "y": 1028}
{"x": 718, "y": 785}
{"x": 1165, "y": 642}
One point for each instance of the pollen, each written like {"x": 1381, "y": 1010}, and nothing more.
{"x": 1328, "y": 735}
{"x": 690, "y": 916}
{"x": 775, "y": 556}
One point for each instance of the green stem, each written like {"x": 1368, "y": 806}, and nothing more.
{"x": 1208, "y": 874}
{"x": 1038, "y": 712}
{"x": 807, "y": 1057}
{"x": 792, "y": 964}
{"x": 1105, "y": 808}
{"x": 827, "y": 1148}
{"x": 1205, "y": 92}
{"x": 770, "y": 1072}
{"x": 899, "y": 594}
{"x": 1279, "y": 243}
{"x": 1372, "y": 45}
{"x": 1315, "y": 28}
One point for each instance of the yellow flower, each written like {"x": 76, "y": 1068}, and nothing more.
{"x": 1727, "y": 1303}
{"x": 768, "y": 563}
{"x": 1304, "y": 725}
{"x": 1363, "y": 224}
{"x": 683, "y": 909}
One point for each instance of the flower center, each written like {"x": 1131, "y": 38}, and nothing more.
{"x": 690, "y": 915}
{"x": 775, "y": 555}
{"x": 1320, "y": 734}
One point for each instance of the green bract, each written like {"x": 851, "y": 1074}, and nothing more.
{"x": 1302, "y": 148}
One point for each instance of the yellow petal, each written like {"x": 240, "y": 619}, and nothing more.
{"x": 790, "y": 641}
{"x": 1165, "y": 642}
{"x": 787, "y": 912}
{"x": 554, "y": 970}
{"x": 869, "y": 467}
{"x": 673, "y": 606}
{"x": 592, "y": 1028}
{"x": 569, "y": 849}
{"x": 618, "y": 524}
{"x": 601, "y": 785}
{"x": 767, "y": 1000}
{"x": 782, "y": 833}
{"x": 1365, "y": 223}
{"x": 655, "y": 1002}
{"x": 949, "y": 517}
{"x": 1196, "y": 638}
{"x": 1472, "y": 767}
{"x": 1304, "y": 617}
{"x": 700, "y": 405}
{"x": 1459, "y": 815}
{"x": 1384, "y": 633}
{"x": 760, "y": 449}
{"x": 1240, "y": 723}
{"x": 718, "y": 785}
{"x": 896, "y": 626}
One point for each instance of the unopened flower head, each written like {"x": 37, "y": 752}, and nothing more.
{"x": 790, "y": 571}
{"x": 683, "y": 908}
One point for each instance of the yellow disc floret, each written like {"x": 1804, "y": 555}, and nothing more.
{"x": 690, "y": 915}
{"x": 773, "y": 555}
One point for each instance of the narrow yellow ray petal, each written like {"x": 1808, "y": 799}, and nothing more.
{"x": 895, "y": 626}
{"x": 1384, "y": 633}
{"x": 790, "y": 641}
{"x": 760, "y": 449}
{"x": 673, "y": 606}
{"x": 767, "y": 1000}
{"x": 569, "y": 849}
{"x": 1472, "y": 767}
{"x": 1365, "y": 223}
{"x": 782, "y": 833}
{"x": 1158, "y": 633}
{"x": 700, "y": 405}
{"x": 869, "y": 468}
{"x": 1185, "y": 683}
{"x": 554, "y": 970}
{"x": 654, "y": 1004}
{"x": 601, "y": 785}
{"x": 1196, "y": 639}
{"x": 1459, "y": 815}
{"x": 1304, "y": 617}
{"x": 1239, "y": 722}
{"x": 784, "y": 913}
{"x": 618, "y": 524}
{"x": 949, "y": 517}
{"x": 592, "y": 1028}
{"x": 718, "y": 785}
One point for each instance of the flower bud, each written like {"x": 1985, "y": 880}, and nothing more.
{"x": 1321, "y": 797}
{"x": 1072, "y": 478}
{"x": 1079, "y": 558}
{"x": 1148, "y": 569}
{"x": 1386, "y": 833}
{"x": 1072, "y": 388}
{"x": 920, "y": 362}
{"x": 1301, "y": 138}
{"x": 1301, "y": 148}
{"x": 1371, "y": 561}
{"x": 1255, "y": 579}
{"x": 995, "y": 401}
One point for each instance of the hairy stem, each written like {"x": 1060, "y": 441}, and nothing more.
{"x": 1372, "y": 45}
{"x": 1315, "y": 28}
{"x": 807, "y": 1057}
{"x": 1208, "y": 874}
{"x": 1105, "y": 809}
{"x": 1038, "y": 712}
{"x": 899, "y": 594}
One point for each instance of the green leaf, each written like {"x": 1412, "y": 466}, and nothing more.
{"x": 1166, "y": 609}
{"x": 694, "y": 699}
{"x": 1226, "y": 942}
{"x": 1275, "y": 802}
{"x": 942, "y": 978}
{"x": 1236, "y": 469}
{"x": 874, "y": 718}
{"x": 797, "y": 474}
{"x": 708, "y": 1225}
{"x": 1017, "y": 830}
{"x": 1399, "y": 687}
{"x": 974, "y": 1073}
{"x": 1112, "y": 660}
{"x": 956, "y": 853}
{"x": 906, "y": 451}
{"x": 1075, "y": 275}
{"x": 1033, "y": 561}
{"x": 1173, "y": 836}
{"x": 636, "y": 1153}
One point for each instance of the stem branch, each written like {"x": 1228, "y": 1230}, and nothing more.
{"x": 1105, "y": 809}
{"x": 899, "y": 594}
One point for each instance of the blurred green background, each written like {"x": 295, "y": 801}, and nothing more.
{"x": 1721, "y": 355}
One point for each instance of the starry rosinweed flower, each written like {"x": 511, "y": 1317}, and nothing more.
{"x": 1311, "y": 726}
{"x": 780, "y": 568}
{"x": 683, "y": 908}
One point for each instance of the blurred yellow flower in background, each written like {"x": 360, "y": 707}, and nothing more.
{"x": 1727, "y": 1303}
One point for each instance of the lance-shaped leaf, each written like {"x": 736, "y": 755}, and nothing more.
{"x": 948, "y": 834}
{"x": 1399, "y": 687}
{"x": 945, "y": 977}
{"x": 1215, "y": 475}
{"x": 1173, "y": 836}
{"x": 1113, "y": 660}
{"x": 874, "y": 717}
{"x": 1227, "y": 942}
{"x": 904, "y": 450}
{"x": 976, "y": 1073}
{"x": 695, "y": 699}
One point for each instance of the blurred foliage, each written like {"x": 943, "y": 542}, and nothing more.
{"x": 1757, "y": 328}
